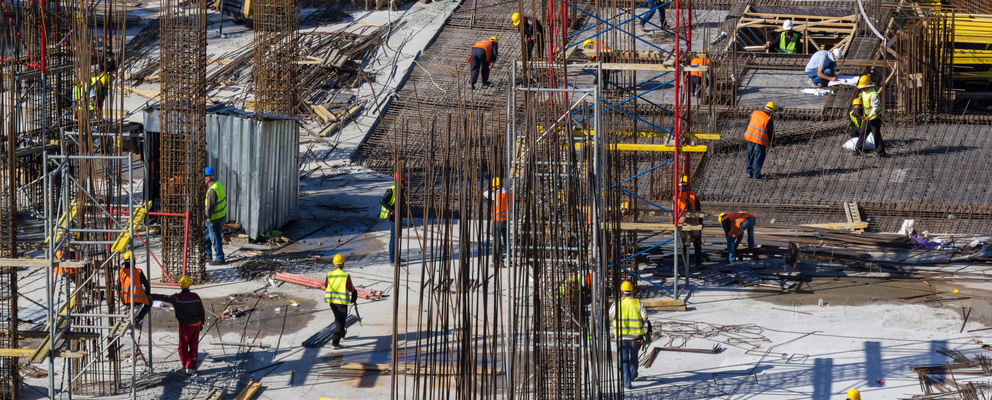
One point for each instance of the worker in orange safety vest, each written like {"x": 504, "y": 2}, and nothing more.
{"x": 483, "y": 56}
{"x": 501, "y": 201}
{"x": 760, "y": 135}
{"x": 128, "y": 275}
{"x": 687, "y": 202}
{"x": 733, "y": 225}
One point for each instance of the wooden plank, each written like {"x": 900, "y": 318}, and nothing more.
{"x": 651, "y": 147}
{"x": 36, "y": 263}
{"x": 31, "y": 352}
{"x": 662, "y": 302}
{"x": 249, "y": 391}
{"x": 839, "y": 225}
{"x": 148, "y": 94}
{"x": 647, "y": 226}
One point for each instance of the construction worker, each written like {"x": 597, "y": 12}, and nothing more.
{"x": 533, "y": 34}
{"x": 659, "y": 6}
{"x": 501, "y": 201}
{"x": 853, "y": 394}
{"x": 337, "y": 289}
{"x": 100, "y": 86}
{"x": 733, "y": 223}
{"x": 592, "y": 48}
{"x": 216, "y": 210}
{"x": 821, "y": 67}
{"x": 760, "y": 135}
{"x": 856, "y": 115}
{"x": 84, "y": 102}
{"x": 128, "y": 275}
{"x": 788, "y": 40}
{"x": 873, "y": 116}
{"x": 630, "y": 324}
{"x": 696, "y": 76}
{"x": 190, "y": 315}
{"x": 483, "y": 56}
{"x": 687, "y": 202}
{"x": 579, "y": 283}
{"x": 388, "y": 201}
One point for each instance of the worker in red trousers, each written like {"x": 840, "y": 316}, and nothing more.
{"x": 190, "y": 314}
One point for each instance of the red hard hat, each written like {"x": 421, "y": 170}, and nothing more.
{"x": 398, "y": 175}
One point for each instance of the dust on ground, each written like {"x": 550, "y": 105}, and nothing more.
{"x": 250, "y": 314}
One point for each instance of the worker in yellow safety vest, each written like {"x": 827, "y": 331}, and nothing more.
{"x": 390, "y": 202}
{"x": 630, "y": 324}
{"x": 787, "y": 41}
{"x": 872, "y": 103}
{"x": 216, "y": 210}
{"x": 339, "y": 292}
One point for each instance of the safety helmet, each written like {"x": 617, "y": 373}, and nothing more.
{"x": 864, "y": 81}
{"x": 787, "y": 25}
{"x": 856, "y": 101}
{"x": 495, "y": 182}
{"x": 854, "y": 394}
{"x": 127, "y": 255}
{"x": 338, "y": 259}
{"x": 208, "y": 171}
{"x": 626, "y": 286}
{"x": 515, "y": 18}
{"x": 184, "y": 282}
{"x": 494, "y": 39}
{"x": 398, "y": 176}
{"x": 685, "y": 179}
{"x": 837, "y": 53}
{"x": 719, "y": 218}
{"x": 586, "y": 43}
{"x": 770, "y": 105}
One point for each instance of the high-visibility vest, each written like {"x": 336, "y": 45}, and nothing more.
{"x": 756, "y": 128}
{"x": 499, "y": 208}
{"x": 698, "y": 62}
{"x": 736, "y": 218}
{"x": 486, "y": 45}
{"x": 873, "y": 109}
{"x": 125, "y": 276}
{"x": 629, "y": 320}
{"x": 687, "y": 202}
{"x": 337, "y": 288}
{"x": 787, "y": 46}
{"x": 597, "y": 46}
{"x": 392, "y": 201}
{"x": 220, "y": 210}
{"x": 855, "y": 119}
{"x": 81, "y": 95}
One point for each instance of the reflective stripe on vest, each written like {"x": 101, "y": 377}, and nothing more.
{"x": 337, "y": 288}
{"x": 220, "y": 210}
{"x": 736, "y": 219}
{"x": 756, "y": 132}
{"x": 871, "y": 110}
{"x": 855, "y": 119}
{"x": 499, "y": 209}
{"x": 139, "y": 296}
{"x": 629, "y": 320}
{"x": 787, "y": 47}
{"x": 392, "y": 201}
{"x": 486, "y": 45}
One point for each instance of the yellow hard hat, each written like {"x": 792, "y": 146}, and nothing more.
{"x": 586, "y": 43}
{"x": 494, "y": 39}
{"x": 184, "y": 282}
{"x": 127, "y": 255}
{"x": 864, "y": 81}
{"x": 685, "y": 178}
{"x": 495, "y": 182}
{"x": 338, "y": 259}
{"x": 719, "y": 218}
{"x": 854, "y": 394}
{"x": 770, "y": 105}
{"x": 515, "y": 18}
{"x": 626, "y": 286}
{"x": 856, "y": 101}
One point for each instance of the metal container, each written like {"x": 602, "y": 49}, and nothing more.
{"x": 254, "y": 157}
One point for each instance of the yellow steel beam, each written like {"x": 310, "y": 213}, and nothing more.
{"x": 650, "y": 147}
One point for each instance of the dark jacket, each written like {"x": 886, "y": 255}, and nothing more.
{"x": 189, "y": 307}
{"x": 773, "y": 44}
{"x": 532, "y": 26}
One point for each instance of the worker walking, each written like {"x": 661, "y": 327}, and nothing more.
{"x": 630, "y": 324}
{"x": 659, "y": 6}
{"x": 190, "y": 315}
{"x": 788, "y": 40}
{"x": 760, "y": 135}
{"x": 339, "y": 292}
{"x": 533, "y": 34}
{"x": 216, "y": 210}
{"x": 483, "y": 56}
{"x": 853, "y": 394}
{"x": 687, "y": 202}
{"x": 873, "y": 116}
{"x": 821, "y": 68}
{"x": 389, "y": 203}
{"x": 733, "y": 226}
{"x": 501, "y": 202}
{"x": 130, "y": 275}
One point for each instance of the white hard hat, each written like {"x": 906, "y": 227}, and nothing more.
{"x": 837, "y": 53}
{"x": 787, "y": 25}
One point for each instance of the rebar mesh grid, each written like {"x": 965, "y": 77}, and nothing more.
{"x": 9, "y": 376}
{"x": 276, "y": 23}
{"x": 183, "y": 141}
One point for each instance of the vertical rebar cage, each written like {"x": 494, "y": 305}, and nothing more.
{"x": 276, "y": 23}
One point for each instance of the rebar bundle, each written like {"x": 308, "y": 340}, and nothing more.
{"x": 183, "y": 140}
{"x": 276, "y": 23}
{"x": 9, "y": 377}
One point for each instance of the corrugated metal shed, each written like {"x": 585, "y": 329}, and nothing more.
{"x": 254, "y": 157}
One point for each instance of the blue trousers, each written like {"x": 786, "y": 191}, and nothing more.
{"x": 755, "y": 159}
{"x": 479, "y": 63}
{"x": 628, "y": 361}
{"x": 499, "y": 239}
{"x": 732, "y": 242}
{"x": 661, "y": 12}
{"x": 393, "y": 237}
{"x": 212, "y": 235}
{"x": 816, "y": 79}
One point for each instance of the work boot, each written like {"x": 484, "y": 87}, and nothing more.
{"x": 217, "y": 262}
{"x": 473, "y": 86}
